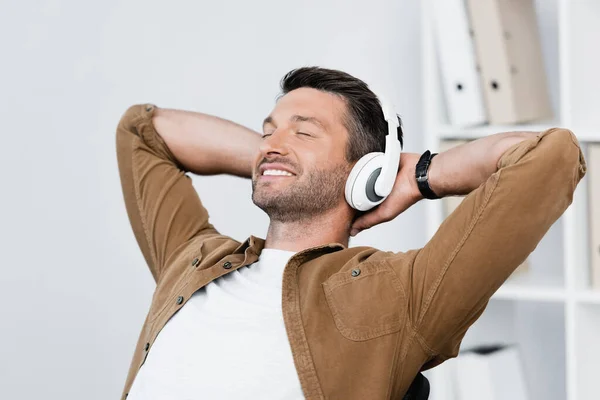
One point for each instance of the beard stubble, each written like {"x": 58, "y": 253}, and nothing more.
{"x": 307, "y": 196}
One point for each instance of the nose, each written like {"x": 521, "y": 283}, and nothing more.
{"x": 275, "y": 144}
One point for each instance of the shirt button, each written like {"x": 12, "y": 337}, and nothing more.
{"x": 227, "y": 265}
{"x": 180, "y": 300}
{"x": 356, "y": 272}
{"x": 196, "y": 262}
{"x": 147, "y": 346}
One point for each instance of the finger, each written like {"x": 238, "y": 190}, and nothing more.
{"x": 368, "y": 220}
{"x": 362, "y": 223}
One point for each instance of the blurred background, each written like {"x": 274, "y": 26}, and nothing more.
{"x": 74, "y": 288}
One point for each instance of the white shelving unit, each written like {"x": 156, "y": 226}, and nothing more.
{"x": 549, "y": 311}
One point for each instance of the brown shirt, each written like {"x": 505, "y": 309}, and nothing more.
{"x": 361, "y": 322}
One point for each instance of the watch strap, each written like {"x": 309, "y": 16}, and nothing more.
{"x": 421, "y": 172}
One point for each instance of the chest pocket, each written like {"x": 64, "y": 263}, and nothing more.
{"x": 366, "y": 302}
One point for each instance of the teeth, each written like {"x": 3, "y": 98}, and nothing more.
{"x": 276, "y": 172}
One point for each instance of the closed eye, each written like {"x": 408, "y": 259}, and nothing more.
{"x": 299, "y": 133}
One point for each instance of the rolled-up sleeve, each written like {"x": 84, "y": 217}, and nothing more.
{"x": 488, "y": 236}
{"x": 163, "y": 207}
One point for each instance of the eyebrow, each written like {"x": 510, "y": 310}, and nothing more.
{"x": 297, "y": 118}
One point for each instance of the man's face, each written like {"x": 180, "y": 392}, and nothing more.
{"x": 304, "y": 135}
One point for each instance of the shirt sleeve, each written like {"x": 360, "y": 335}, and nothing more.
{"x": 163, "y": 207}
{"x": 488, "y": 236}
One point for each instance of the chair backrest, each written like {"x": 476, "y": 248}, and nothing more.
{"x": 419, "y": 389}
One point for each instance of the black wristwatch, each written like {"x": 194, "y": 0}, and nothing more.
{"x": 421, "y": 175}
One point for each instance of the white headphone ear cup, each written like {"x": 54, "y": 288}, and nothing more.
{"x": 352, "y": 178}
{"x": 356, "y": 184}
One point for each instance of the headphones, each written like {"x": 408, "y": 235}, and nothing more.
{"x": 372, "y": 177}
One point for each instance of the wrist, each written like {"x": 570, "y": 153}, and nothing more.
{"x": 408, "y": 164}
{"x": 416, "y": 193}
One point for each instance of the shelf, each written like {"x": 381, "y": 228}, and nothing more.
{"x": 588, "y": 297}
{"x": 515, "y": 292}
{"x": 586, "y": 135}
{"x": 476, "y": 132}
{"x": 511, "y": 291}
{"x": 525, "y": 286}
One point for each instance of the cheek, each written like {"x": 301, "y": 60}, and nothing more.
{"x": 327, "y": 154}
{"x": 321, "y": 156}
{"x": 257, "y": 158}
{"x": 332, "y": 159}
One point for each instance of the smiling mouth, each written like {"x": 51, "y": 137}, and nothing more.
{"x": 270, "y": 173}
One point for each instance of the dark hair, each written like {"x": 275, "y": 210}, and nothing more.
{"x": 364, "y": 119}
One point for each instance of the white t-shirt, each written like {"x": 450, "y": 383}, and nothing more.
{"x": 227, "y": 342}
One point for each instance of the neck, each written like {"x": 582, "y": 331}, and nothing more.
{"x": 330, "y": 227}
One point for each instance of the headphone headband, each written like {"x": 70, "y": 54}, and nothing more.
{"x": 391, "y": 158}
{"x": 389, "y": 113}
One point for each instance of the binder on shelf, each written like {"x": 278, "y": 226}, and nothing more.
{"x": 450, "y": 203}
{"x": 456, "y": 59}
{"x": 491, "y": 373}
{"x": 509, "y": 56}
{"x": 594, "y": 211}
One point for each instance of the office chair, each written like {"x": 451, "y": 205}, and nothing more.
{"x": 419, "y": 389}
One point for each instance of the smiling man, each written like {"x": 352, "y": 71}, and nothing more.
{"x": 300, "y": 314}
{"x": 306, "y": 137}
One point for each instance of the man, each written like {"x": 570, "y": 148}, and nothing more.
{"x": 300, "y": 315}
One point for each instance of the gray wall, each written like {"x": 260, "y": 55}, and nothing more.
{"x": 74, "y": 288}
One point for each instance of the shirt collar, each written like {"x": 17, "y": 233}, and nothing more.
{"x": 255, "y": 245}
